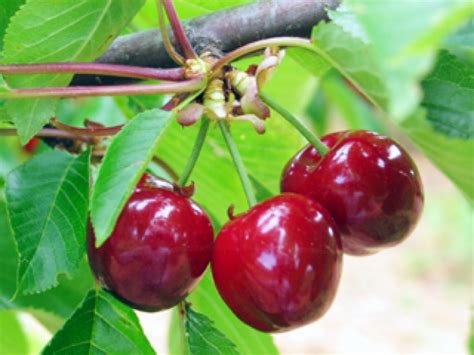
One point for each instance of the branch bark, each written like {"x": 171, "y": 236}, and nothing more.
{"x": 221, "y": 31}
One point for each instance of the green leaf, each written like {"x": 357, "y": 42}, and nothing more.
{"x": 133, "y": 105}
{"x": 60, "y": 301}
{"x": 205, "y": 299}
{"x": 103, "y": 110}
{"x": 202, "y": 337}
{"x": 13, "y": 339}
{"x": 317, "y": 112}
{"x": 461, "y": 43}
{"x": 453, "y": 156}
{"x": 7, "y": 10}
{"x": 101, "y": 325}
{"x": 345, "y": 18}
{"x": 405, "y": 53}
{"x": 4, "y": 117}
{"x": 333, "y": 47}
{"x": 81, "y": 32}
{"x": 124, "y": 163}
{"x": 355, "y": 111}
{"x": 449, "y": 97}
{"x": 191, "y": 8}
{"x": 261, "y": 192}
{"x": 48, "y": 200}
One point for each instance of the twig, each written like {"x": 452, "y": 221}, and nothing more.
{"x": 224, "y": 30}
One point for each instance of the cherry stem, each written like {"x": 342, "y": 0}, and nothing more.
{"x": 174, "y": 74}
{"x": 198, "y": 144}
{"x": 312, "y": 138}
{"x": 177, "y": 58}
{"x": 239, "y": 164}
{"x": 178, "y": 30}
{"x": 258, "y": 46}
{"x": 113, "y": 90}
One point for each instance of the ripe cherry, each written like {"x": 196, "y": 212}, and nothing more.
{"x": 32, "y": 145}
{"x": 159, "y": 249}
{"x": 369, "y": 184}
{"x": 278, "y": 265}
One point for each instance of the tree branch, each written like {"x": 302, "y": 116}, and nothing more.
{"x": 221, "y": 31}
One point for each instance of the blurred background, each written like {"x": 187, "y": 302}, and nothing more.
{"x": 416, "y": 298}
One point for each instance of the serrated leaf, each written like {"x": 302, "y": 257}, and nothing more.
{"x": 60, "y": 301}
{"x": 48, "y": 200}
{"x": 100, "y": 325}
{"x": 345, "y": 18}
{"x": 205, "y": 299}
{"x": 7, "y": 10}
{"x": 449, "y": 97}
{"x": 202, "y": 338}
{"x": 124, "y": 163}
{"x": 405, "y": 53}
{"x": 453, "y": 156}
{"x": 335, "y": 48}
{"x": 81, "y": 33}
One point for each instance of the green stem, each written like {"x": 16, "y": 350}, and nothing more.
{"x": 309, "y": 135}
{"x": 239, "y": 164}
{"x": 198, "y": 144}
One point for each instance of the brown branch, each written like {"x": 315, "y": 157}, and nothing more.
{"x": 221, "y": 31}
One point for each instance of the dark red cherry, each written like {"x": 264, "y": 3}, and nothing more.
{"x": 32, "y": 145}
{"x": 278, "y": 265}
{"x": 369, "y": 184}
{"x": 159, "y": 249}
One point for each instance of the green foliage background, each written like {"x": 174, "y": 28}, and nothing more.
{"x": 412, "y": 60}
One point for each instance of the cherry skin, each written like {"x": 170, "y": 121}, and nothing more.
{"x": 369, "y": 184}
{"x": 158, "y": 251}
{"x": 32, "y": 145}
{"x": 278, "y": 265}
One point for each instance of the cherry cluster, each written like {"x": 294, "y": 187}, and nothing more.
{"x": 278, "y": 265}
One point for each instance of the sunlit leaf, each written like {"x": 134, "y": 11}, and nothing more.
{"x": 80, "y": 34}
{"x": 449, "y": 97}
{"x": 125, "y": 162}
{"x": 13, "y": 338}
{"x": 7, "y": 10}
{"x": 451, "y": 155}
{"x": 101, "y": 325}
{"x": 48, "y": 201}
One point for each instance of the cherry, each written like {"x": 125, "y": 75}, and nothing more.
{"x": 159, "y": 249}
{"x": 32, "y": 145}
{"x": 369, "y": 184}
{"x": 278, "y": 265}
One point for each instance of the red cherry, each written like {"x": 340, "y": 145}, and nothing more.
{"x": 159, "y": 249}
{"x": 32, "y": 145}
{"x": 278, "y": 265}
{"x": 369, "y": 184}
